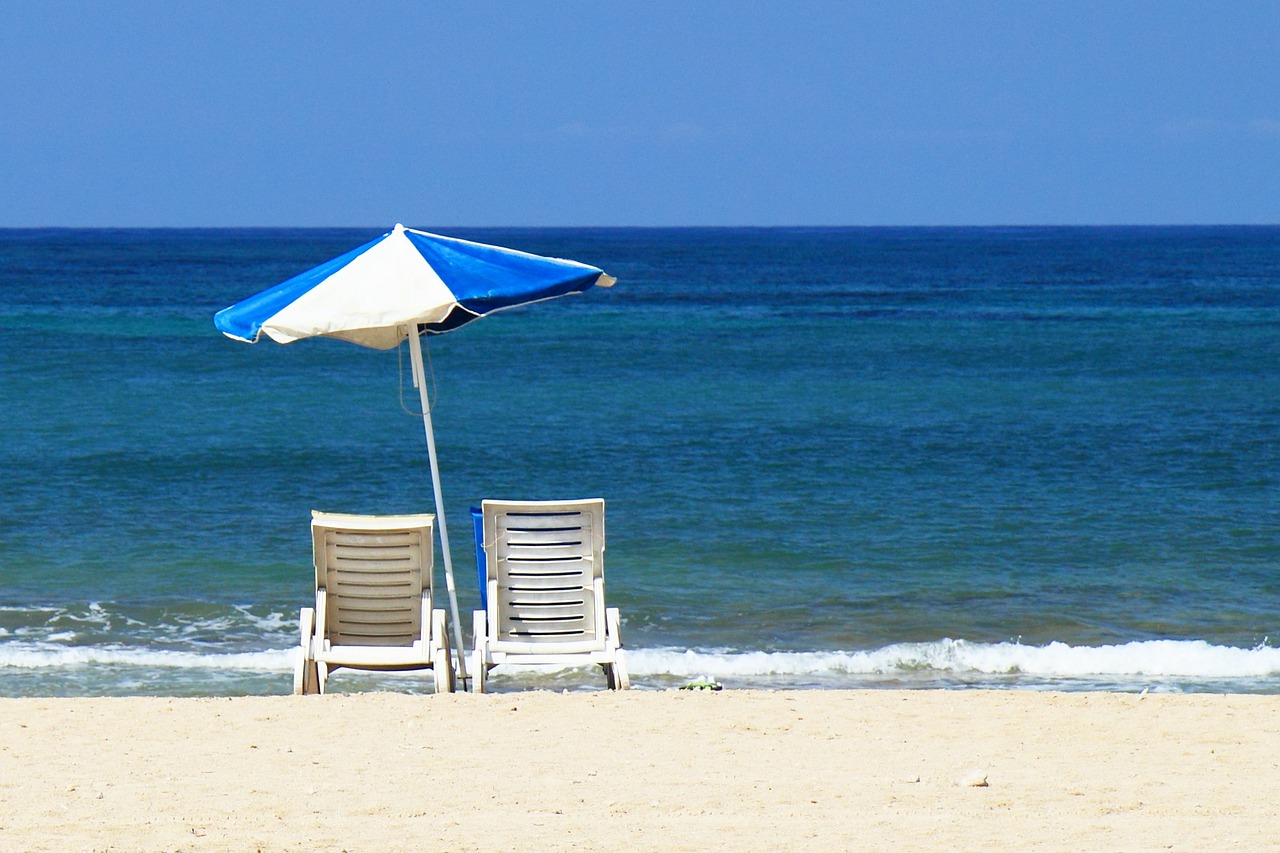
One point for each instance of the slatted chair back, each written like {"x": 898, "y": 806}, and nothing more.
{"x": 374, "y": 570}
{"x": 545, "y": 562}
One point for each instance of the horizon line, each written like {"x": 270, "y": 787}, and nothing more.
{"x": 772, "y": 227}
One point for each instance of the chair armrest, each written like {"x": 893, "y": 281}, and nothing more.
{"x": 322, "y": 609}
{"x": 438, "y": 642}
{"x": 613, "y": 626}
{"x": 306, "y": 627}
{"x": 425, "y": 618}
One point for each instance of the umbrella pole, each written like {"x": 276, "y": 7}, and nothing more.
{"x": 420, "y": 380}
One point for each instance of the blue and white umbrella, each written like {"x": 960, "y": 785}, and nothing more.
{"x": 403, "y": 285}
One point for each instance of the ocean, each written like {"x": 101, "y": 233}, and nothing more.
{"x": 1029, "y": 458}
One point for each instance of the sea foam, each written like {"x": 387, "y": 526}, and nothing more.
{"x": 1187, "y": 659}
{"x": 49, "y": 656}
{"x": 1175, "y": 660}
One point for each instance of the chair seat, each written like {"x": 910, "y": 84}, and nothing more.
{"x": 539, "y": 659}
{"x": 379, "y": 657}
{"x": 546, "y": 649}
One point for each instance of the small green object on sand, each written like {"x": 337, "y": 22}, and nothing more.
{"x": 704, "y": 683}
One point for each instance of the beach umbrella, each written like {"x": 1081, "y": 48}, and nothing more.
{"x": 403, "y": 285}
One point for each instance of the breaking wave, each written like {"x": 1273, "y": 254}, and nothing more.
{"x": 1190, "y": 659}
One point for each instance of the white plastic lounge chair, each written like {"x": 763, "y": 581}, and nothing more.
{"x": 545, "y": 589}
{"x": 373, "y": 600}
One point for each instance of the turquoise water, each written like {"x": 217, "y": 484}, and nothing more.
{"x": 831, "y": 457}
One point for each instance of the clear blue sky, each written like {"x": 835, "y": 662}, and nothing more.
{"x": 644, "y": 113}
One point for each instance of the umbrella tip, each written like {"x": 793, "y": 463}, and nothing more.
{"x": 398, "y": 227}
{"x": 606, "y": 280}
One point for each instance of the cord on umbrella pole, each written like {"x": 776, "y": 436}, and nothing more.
{"x": 415, "y": 354}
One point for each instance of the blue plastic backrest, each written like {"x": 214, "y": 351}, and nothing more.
{"x": 477, "y": 527}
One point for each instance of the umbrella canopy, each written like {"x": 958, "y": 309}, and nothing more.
{"x": 403, "y": 285}
{"x": 402, "y": 278}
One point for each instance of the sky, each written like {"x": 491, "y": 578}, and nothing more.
{"x": 654, "y": 113}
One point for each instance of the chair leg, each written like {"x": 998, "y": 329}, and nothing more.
{"x": 322, "y": 675}
{"x": 299, "y": 674}
{"x": 479, "y": 666}
{"x": 616, "y": 671}
{"x": 306, "y": 679}
{"x": 311, "y": 678}
{"x": 622, "y": 680}
{"x": 442, "y": 660}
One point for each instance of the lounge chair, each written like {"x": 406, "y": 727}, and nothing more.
{"x": 545, "y": 589}
{"x": 373, "y": 601}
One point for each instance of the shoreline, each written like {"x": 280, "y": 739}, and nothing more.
{"x": 650, "y": 770}
{"x": 48, "y": 668}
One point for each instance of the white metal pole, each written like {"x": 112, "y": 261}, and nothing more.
{"x": 420, "y": 380}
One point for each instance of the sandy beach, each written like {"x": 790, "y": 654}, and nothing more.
{"x": 647, "y": 770}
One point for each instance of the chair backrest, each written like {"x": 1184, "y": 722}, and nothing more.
{"x": 545, "y": 562}
{"x": 373, "y": 569}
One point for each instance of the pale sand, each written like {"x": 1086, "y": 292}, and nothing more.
{"x": 645, "y": 770}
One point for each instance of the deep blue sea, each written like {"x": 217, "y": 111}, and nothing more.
{"x": 1026, "y": 457}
